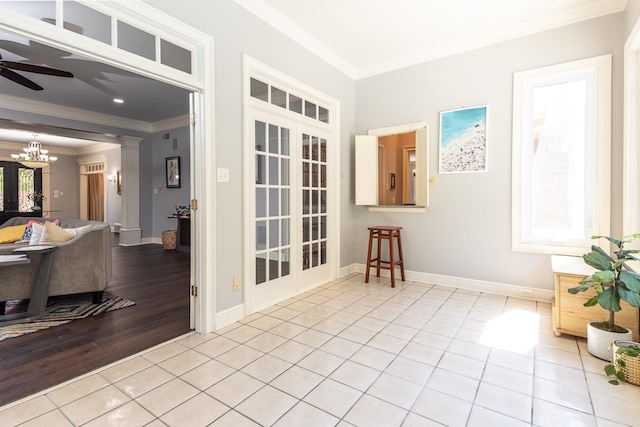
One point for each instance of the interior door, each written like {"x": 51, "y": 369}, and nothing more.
{"x": 313, "y": 211}
{"x": 195, "y": 136}
{"x": 274, "y": 225}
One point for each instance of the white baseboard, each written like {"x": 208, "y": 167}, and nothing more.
{"x": 345, "y": 271}
{"x": 144, "y": 241}
{"x": 229, "y": 316}
{"x": 151, "y": 240}
{"x": 525, "y": 292}
{"x": 237, "y": 313}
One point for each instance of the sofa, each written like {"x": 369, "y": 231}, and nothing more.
{"x": 82, "y": 264}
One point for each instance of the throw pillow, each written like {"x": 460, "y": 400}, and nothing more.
{"x": 28, "y": 232}
{"x": 52, "y": 233}
{"x": 36, "y": 233}
{"x": 78, "y": 230}
{"x": 11, "y": 234}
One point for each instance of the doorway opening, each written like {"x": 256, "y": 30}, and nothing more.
{"x": 51, "y": 29}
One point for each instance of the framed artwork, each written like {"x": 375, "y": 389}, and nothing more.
{"x": 118, "y": 183}
{"x": 173, "y": 171}
{"x": 392, "y": 181}
{"x": 463, "y": 140}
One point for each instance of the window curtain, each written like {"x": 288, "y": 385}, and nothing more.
{"x": 96, "y": 197}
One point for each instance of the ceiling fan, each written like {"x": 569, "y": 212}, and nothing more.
{"x": 7, "y": 67}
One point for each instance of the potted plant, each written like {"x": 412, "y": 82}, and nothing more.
{"x": 613, "y": 281}
{"x": 625, "y": 365}
{"x": 37, "y": 197}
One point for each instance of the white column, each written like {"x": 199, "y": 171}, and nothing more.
{"x": 130, "y": 233}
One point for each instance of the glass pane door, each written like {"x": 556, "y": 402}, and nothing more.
{"x": 272, "y": 202}
{"x": 314, "y": 201}
{"x": 288, "y": 218}
{"x": 26, "y": 189}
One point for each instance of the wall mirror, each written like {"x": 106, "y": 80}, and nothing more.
{"x": 392, "y": 167}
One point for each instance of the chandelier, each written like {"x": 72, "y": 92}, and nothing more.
{"x": 34, "y": 156}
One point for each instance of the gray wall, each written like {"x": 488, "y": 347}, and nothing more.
{"x": 64, "y": 177}
{"x": 236, "y": 31}
{"x": 466, "y": 232}
{"x": 165, "y": 199}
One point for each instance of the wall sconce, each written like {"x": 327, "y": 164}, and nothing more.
{"x": 116, "y": 178}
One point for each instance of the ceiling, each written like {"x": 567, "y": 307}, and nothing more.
{"x": 93, "y": 88}
{"x": 368, "y": 37}
{"x": 360, "y": 37}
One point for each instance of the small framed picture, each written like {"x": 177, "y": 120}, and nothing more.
{"x": 463, "y": 140}
{"x": 173, "y": 172}
{"x": 392, "y": 181}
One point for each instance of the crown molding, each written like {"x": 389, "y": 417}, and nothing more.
{"x": 170, "y": 124}
{"x": 577, "y": 14}
{"x": 96, "y": 148}
{"x": 83, "y": 161}
{"x": 289, "y": 28}
{"x": 76, "y": 114}
{"x": 17, "y": 147}
{"x": 62, "y": 112}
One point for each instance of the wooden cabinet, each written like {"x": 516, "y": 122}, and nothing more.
{"x": 570, "y": 316}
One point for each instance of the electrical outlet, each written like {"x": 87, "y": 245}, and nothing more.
{"x": 236, "y": 283}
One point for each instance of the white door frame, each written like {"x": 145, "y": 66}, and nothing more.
{"x": 631, "y": 135}
{"x": 146, "y": 17}
{"x": 255, "y": 68}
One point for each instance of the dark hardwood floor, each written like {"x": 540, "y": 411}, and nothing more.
{"x": 158, "y": 282}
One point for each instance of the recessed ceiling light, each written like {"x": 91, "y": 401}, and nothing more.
{"x": 118, "y": 100}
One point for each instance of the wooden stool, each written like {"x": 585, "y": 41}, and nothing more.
{"x": 381, "y": 233}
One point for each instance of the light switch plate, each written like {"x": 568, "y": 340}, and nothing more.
{"x": 223, "y": 175}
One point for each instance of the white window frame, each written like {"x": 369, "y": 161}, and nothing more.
{"x": 599, "y": 131}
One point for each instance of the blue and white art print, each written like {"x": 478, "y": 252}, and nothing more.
{"x": 463, "y": 140}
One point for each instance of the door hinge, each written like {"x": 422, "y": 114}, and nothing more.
{"x": 194, "y": 291}
{"x": 194, "y": 204}
{"x": 192, "y": 118}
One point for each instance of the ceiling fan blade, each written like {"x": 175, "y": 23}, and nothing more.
{"x": 19, "y": 79}
{"x": 20, "y": 66}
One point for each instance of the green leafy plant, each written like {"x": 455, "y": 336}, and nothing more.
{"x": 37, "y": 196}
{"x": 616, "y": 370}
{"x": 612, "y": 281}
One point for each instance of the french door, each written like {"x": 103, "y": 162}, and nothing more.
{"x": 289, "y": 220}
{"x": 18, "y": 184}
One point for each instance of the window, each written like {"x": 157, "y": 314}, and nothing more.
{"x": 260, "y": 90}
{"x": 561, "y": 156}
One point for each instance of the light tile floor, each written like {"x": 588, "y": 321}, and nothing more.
{"x": 354, "y": 354}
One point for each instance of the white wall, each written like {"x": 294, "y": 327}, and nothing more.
{"x": 466, "y": 232}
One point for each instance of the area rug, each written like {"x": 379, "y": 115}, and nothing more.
{"x": 60, "y": 310}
